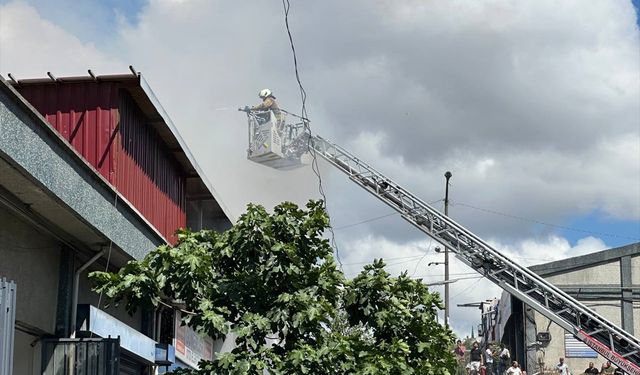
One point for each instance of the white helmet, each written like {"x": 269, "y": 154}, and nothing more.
{"x": 264, "y": 93}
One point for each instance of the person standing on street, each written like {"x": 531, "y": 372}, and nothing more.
{"x": 562, "y": 367}
{"x": 488, "y": 360}
{"x": 475, "y": 357}
{"x": 514, "y": 369}
{"x": 505, "y": 359}
{"x": 591, "y": 369}
{"x": 459, "y": 353}
{"x": 607, "y": 368}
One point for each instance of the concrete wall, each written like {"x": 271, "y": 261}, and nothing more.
{"x": 31, "y": 259}
{"x": 608, "y": 273}
{"x": 556, "y": 348}
{"x": 636, "y": 320}
{"x": 610, "y": 308}
{"x": 635, "y": 270}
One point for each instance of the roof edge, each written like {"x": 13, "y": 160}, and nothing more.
{"x": 587, "y": 260}
{"x": 138, "y": 79}
{"x": 167, "y": 120}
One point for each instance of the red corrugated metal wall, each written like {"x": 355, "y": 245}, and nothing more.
{"x": 103, "y": 123}
{"x": 147, "y": 173}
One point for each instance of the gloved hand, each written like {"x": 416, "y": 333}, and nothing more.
{"x": 245, "y": 109}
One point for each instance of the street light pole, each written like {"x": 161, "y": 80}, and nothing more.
{"x": 447, "y": 176}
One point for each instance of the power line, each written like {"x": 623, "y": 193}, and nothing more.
{"x": 464, "y": 290}
{"x": 367, "y": 220}
{"x": 439, "y": 283}
{"x": 385, "y": 259}
{"x": 451, "y": 274}
{"x": 544, "y": 223}
{"x": 377, "y": 218}
{"x": 425, "y": 254}
{"x": 398, "y": 263}
{"x": 303, "y": 95}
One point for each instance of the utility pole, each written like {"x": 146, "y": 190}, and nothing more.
{"x": 447, "y": 176}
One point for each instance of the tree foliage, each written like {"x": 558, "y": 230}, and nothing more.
{"x": 272, "y": 282}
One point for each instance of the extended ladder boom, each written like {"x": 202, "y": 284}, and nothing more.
{"x": 279, "y": 145}
{"x": 606, "y": 338}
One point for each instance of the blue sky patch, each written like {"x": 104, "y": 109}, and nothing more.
{"x": 89, "y": 21}
{"x": 613, "y": 232}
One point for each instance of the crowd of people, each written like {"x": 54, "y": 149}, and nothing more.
{"x": 489, "y": 361}
{"x": 493, "y": 361}
{"x": 606, "y": 368}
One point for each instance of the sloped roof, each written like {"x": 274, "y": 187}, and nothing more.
{"x": 145, "y": 98}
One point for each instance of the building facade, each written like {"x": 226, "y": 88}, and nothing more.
{"x": 607, "y": 281}
{"x": 93, "y": 173}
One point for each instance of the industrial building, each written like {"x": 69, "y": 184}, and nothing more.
{"x": 93, "y": 173}
{"x": 607, "y": 281}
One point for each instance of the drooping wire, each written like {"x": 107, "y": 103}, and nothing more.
{"x": 378, "y": 217}
{"x": 367, "y": 220}
{"x": 424, "y": 256}
{"x": 305, "y": 120}
{"x": 511, "y": 216}
{"x": 465, "y": 289}
{"x": 412, "y": 257}
{"x": 106, "y": 268}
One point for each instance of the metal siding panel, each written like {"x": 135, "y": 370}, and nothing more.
{"x": 149, "y": 168}
{"x": 115, "y": 123}
{"x": 90, "y": 137}
{"x": 134, "y": 160}
{"x": 65, "y": 114}
{"x": 76, "y": 129}
{"x": 103, "y": 133}
{"x": 80, "y": 356}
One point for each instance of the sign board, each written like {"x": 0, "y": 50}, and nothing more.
{"x": 101, "y": 324}
{"x": 190, "y": 346}
{"x": 574, "y": 348}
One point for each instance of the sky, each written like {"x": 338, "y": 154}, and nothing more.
{"x": 534, "y": 106}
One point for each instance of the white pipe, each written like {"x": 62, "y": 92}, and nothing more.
{"x": 76, "y": 284}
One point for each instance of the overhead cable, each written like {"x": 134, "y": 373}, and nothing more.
{"x": 494, "y": 212}
{"x": 303, "y": 95}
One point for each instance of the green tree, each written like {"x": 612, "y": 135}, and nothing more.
{"x": 273, "y": 282}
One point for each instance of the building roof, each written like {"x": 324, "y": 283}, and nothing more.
{"x": 48, "y": 183}
{"x": 143, "y": 95}
{"x": 584, "y": 261}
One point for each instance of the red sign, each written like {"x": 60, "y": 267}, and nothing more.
{"x": 190, "y": 346}
{"x": 604, "y": 350}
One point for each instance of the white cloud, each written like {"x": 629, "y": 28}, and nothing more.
{"x": 536, "y": 251}
{"x": 414, "y": 257}
{"x": 31, "y": 46}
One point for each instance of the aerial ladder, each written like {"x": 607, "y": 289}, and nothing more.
{"x": 280, "y": 145}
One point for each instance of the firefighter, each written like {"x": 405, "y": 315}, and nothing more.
{"x": 268, "y": 104}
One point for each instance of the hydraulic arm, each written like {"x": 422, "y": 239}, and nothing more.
{"x": 606, "y": 338}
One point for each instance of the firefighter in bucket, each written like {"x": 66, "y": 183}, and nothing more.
{"x": 268, "y": 104}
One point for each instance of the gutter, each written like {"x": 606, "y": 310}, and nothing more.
{"x": 76, "y": 285}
